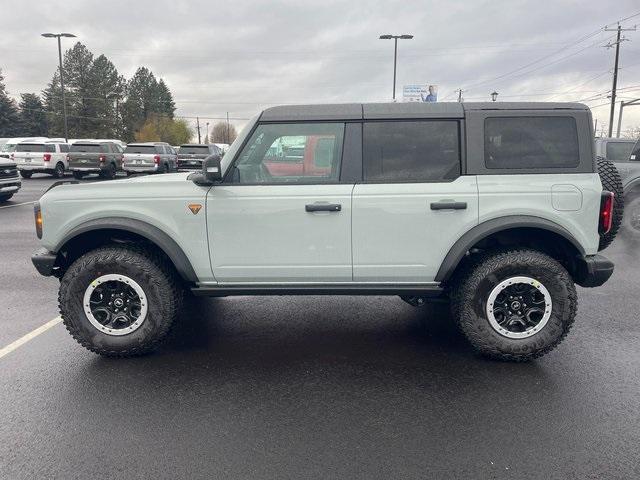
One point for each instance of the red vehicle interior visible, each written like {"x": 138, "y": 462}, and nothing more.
{"x": 315, "y": 160}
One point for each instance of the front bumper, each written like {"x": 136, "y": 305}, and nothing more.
{"x": 11, "y": 185}
{"x": 593, "y": 271}
{"x": 44, "y": 261}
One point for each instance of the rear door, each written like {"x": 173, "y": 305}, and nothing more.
{"x": 283, "y": 227}
{"x": 413, "y": 203}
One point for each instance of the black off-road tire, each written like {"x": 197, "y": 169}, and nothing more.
{"x": 153, "y": 273}
{"x": 25, "y": 173}
{"x": 611, "y": 181}
{"x": 470, "y": 293}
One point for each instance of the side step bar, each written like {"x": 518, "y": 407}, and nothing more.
{"x": 428, "y": 290}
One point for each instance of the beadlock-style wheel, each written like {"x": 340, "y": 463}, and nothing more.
{"x": 519, "y": 307}
{"x": 115, "y": 304}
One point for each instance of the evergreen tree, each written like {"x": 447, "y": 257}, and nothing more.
{"x": 33, "y": 119}
{"x": 107, "y": 90}
{"x": 81, "y": 97}
{"x": 52, "y": 100}
{"x": 9, "y": 116}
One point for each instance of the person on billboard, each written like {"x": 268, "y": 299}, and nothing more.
{"x": 432, "y": 97}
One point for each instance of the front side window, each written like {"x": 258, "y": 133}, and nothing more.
{"x": 411, "y": 151}
{"x": 530, "y": 142}
{"x": 291, "y": 153}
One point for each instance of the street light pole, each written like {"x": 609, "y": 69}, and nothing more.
{"x": 64, "y": 101}
{"x": 395, "y": 54}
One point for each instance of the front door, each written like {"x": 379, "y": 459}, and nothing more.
{"x": 273, "y": 219}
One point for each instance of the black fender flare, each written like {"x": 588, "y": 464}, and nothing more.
{"x": 156, "y": 236}
{"x": 479, "y": 232}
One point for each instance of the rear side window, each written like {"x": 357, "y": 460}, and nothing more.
{"x": 194, "y": 149}
{"x": 32, "y": 147}
{"x": 64, "y": 147}
{"x": 411, "y": 151}
{"x": 530, "y": 142}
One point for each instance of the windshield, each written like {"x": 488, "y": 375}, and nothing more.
{"x": 619, "y": 151}
{"x": 194, "y": 149}
{"x": 87, "y": 148}
{"x": 140, "y": 149}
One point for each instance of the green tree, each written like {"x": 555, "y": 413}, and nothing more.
{"x": 9, "y": 116}
{"x": 33, "y": 119}
{"x": 52, "y": 101}
{"x": 161, "y": 128}
{"x": 108, "y": 89}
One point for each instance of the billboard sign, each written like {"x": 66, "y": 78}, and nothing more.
{"x": 420, "y": 93}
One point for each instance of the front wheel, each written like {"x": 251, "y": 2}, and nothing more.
{"x": 514, "y": 305}
{"x": 119, "y": 301}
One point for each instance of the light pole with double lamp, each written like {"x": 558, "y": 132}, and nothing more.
{"x": 395, "y": 54}
{"x": 64, "y": 103}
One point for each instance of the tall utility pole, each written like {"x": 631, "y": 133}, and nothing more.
{"x": 619, "y": 30}
{"x": 460, "y": 95}
{"x": 227, "y": 139}
{"x": 395, "y": 54}
{"x": 64, "y": 101}
{"x": 198, "y": 128}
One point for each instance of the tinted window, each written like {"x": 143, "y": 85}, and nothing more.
{"x": 290, "y": 153}
{"x": 530, "y": 142}
{"x": 87, "y": 147}
{"x": 31, "y": 147}
{"x": 146, "y": 149}
{"x": 619, "y": 151}
{"x": 194, "y": 149}
{"x": 64, "y": 147}
{"x": 411, "y": 151}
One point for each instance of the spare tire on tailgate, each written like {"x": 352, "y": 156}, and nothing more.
{"x": 611, "y": 182}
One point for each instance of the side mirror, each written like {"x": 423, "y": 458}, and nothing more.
{"x": 211, "y": 171}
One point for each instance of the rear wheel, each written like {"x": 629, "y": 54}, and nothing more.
{"x": 25, "y": 173}
{"x": 78, "y": 175}
{"x": 110, "y": 172}
{"x": 119, "y": 301}
{"x": 5, "y": 197}
{"x": 165, "y": 168}
{"x": 58, "y": 172}
{"x": 514, "y": 305}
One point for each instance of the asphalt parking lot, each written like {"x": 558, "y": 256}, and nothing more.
{"x": 313, "y": 387}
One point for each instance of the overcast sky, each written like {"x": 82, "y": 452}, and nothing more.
{"x": 242, "y": 56}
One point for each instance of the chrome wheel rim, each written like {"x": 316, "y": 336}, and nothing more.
{"x": 115, "y": 304}
{"x": 519, "y": 307}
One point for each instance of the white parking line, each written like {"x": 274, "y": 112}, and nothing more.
{"x": 29, "y": 336}
{"x": 17, "y": 205}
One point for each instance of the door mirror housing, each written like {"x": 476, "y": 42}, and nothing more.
{"x": 211, "y": 171}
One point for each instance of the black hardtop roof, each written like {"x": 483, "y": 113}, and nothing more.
{"x": 360, "y": 111}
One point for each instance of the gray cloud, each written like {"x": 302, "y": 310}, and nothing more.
{"x": 239, "y": 57}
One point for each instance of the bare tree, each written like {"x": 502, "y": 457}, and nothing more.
{"x": 223, "y": 132}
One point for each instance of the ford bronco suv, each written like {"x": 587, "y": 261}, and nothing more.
{"x": 498, "y": 207}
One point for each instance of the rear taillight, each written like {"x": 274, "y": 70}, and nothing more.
{"x": 38, "y": 215}
{"x": 156, "y": 159}
{"x": 606, "y": 212}
{"x": 47, "y": 157}
{"x": 102, "y": 159}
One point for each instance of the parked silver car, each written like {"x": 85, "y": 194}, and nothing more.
{"x": 149, "y": 157}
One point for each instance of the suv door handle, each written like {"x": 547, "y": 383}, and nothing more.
{"x": 323, "y": 207}
{"x": 448, "y": 205}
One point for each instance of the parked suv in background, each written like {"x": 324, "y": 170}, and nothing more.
{"x": 103, "y": 158}
{"x": 629, "y": 169}
{"x": 8, "y": 146}
{"x": 190, "y": 156}
{"x": 41, "y": 157}
{"x": 149, "y": 157}
{"x": 9, "y": 180}
{"x": 497, "y": 206}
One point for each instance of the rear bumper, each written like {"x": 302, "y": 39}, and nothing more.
{"x": 140, "y": 168}
{"x": 593, "y": 271}
{"x": 44, "y": 261}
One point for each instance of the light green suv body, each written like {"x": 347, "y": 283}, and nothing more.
{"x": 385, "y": 216}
